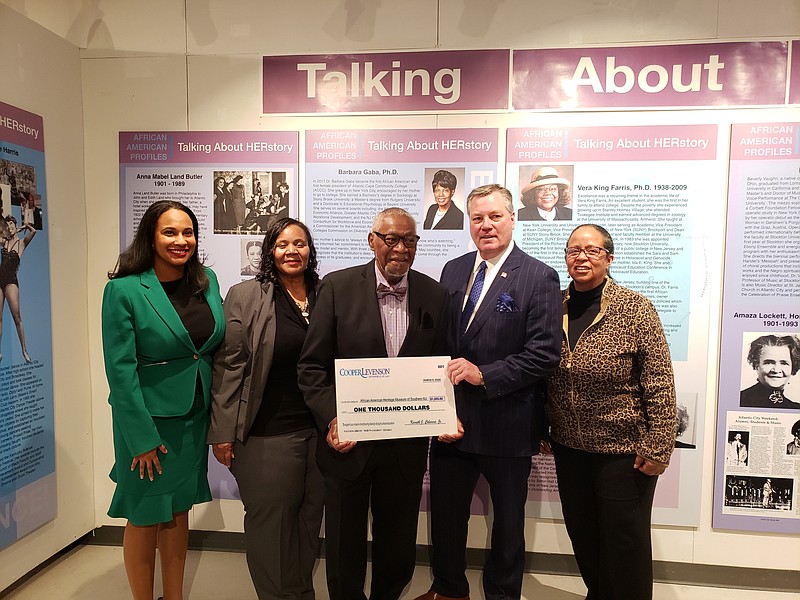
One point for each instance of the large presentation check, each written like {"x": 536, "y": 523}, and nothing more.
{"x": 383, "y": 398}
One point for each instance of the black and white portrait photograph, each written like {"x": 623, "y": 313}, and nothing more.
{"x": 229, "y": 201}
{"x": 31, "y": 210}
{"x": 250, "y": 257}
{"x": 770, "y": 362}
{"x": 793, "y": 447}
{"x": 736, "y": 451}
{"x": 686, "y": 427}
{"x": 269, "y": 199}
{"x": 18, "y": 189}
{"x": 246, "y": 201}
{"x": 5, "y": 198}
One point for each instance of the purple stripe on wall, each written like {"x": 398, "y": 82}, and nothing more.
{"x": 724, "y": 74}
{"x": 398, "y": 81}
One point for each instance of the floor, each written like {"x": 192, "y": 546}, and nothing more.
{"x": 97, "y": 572}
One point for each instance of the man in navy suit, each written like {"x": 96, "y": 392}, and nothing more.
{"x": 505, "y": 337}
{"x": 380, "y": 309}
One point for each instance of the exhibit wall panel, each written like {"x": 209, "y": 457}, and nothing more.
{"x": 41, "y": 74}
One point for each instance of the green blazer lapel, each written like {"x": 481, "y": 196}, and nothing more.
{"x": 158, "y": 299}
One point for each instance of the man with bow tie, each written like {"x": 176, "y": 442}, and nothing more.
{"x": 381, "y": 309}
{"x": 505, "y": 337}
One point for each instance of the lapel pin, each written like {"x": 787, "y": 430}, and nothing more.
{"x": 503, "y": 274}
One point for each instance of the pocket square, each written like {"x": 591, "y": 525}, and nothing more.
{"x": 505, "y": 303}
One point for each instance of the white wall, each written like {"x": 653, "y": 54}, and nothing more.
{"x": 40, "y": 72}
{"x": 175, "y": 65}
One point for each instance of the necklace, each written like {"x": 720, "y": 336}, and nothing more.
{"x": 303, "y": 306}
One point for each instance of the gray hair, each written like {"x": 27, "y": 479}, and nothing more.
{"x": 608, "y": 242}
{"x": 392, "y": 211}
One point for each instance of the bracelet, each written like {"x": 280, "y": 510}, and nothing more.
{"x": 483, "y": 383}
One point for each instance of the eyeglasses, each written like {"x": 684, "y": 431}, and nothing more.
{"x": 391, "y": 240}
{"x": 552, "y": 189}
{"x": 591, "y": 252}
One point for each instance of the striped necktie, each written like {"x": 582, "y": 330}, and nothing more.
{"x": 474, "y": 294}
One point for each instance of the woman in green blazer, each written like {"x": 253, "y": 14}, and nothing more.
{"x": 162, "y": 322}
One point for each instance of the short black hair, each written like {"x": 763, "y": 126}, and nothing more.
{"x": 445, "y": 179}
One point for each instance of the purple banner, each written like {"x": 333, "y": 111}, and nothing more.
{"x": 766, "y": 141}
{"x": 207, "y": 147}
{"x": 21, "y": 127}
{"x": 724, "y": 74}
{"x": 432, "y": 81}
{"x": 623, "y": 143}
{"x": 400, "y": 145}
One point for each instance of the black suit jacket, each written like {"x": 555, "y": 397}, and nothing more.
{"x": 757, "y": 396}
{"x": 452, "y": 219}
{"x": 529, "y": 213}
{"x": 346, "y": 323}
{"x": 515, "y": 350}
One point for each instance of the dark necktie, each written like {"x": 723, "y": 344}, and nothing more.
{"x": 474, "y": 294}
{"x": 384, "y": 290}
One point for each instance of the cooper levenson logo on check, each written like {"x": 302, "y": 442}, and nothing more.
{"x": 384, "y": 398}
{"x": 365, "y": 372}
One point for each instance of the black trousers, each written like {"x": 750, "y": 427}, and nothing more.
{"x": 454, "y": 475}
{"x": 607, "y": 506}
{"x": 382, "y": 489}
{"x": 282, "y": 492}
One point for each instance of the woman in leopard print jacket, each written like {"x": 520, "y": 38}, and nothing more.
{"x": 611, "y": 405}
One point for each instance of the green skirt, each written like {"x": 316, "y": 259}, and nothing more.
{"x": 184, "y": 479}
